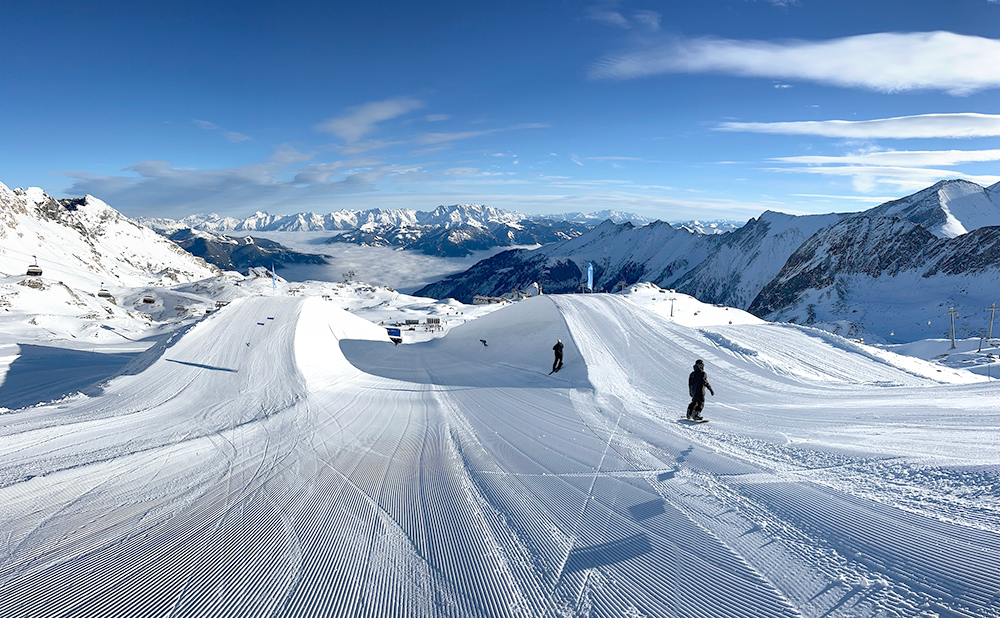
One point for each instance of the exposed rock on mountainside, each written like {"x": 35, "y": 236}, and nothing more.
{"x": 891, "y": 271}
{"x": 240, "y": 253}
{"x": 949, "y": 208}
{"x": 461, "y": 239}
{"x": 85, "y": 242}
{"x": 447, "y": 231}
{"x": 721, "y": 268}
{"x": 890, "y": 276}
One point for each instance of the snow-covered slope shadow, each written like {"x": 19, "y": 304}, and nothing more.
{"x": 45, "y": 373}
{"x": 517, "y": 352}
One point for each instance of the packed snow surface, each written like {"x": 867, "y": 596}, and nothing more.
{"x": 283, "y": 458}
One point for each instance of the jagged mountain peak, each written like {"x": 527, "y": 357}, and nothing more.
{"x": 84, "y": 242}
{"x": 947, "y": 209}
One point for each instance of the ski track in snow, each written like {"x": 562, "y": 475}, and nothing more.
{"x": 282, "y": 459}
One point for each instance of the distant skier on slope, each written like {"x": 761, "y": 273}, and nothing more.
{"x": 557, "y": 363}
{"x": 697, "y": 383}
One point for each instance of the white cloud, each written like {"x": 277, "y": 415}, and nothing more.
{"x": 231, "y": 136}
{"x": 450, "y": 136}
{"x": 453, "y": 136}
{"x": 608, "y": 13}
{"x": 437, "y": 117}
{"x": 607, "y": 16}
{"x": 158, "y": 187}
{"x": 649, "y": 20}
{"x": 902, "y": 127}
{"x": 868, "y": 199}
{"x": 883, "y": 62}
{"x": 782, "y": 86}
{"x": 917, "y": 158}
{"x": 360, "y": 120}
{"x": 867, "y": 178}
{"x": 367, "y": 145}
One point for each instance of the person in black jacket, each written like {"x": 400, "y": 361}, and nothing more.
{"x": 697, "y": 383}
{"x": 557, "y": 363}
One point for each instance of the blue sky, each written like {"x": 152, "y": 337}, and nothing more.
{"x": 678, "y": 110}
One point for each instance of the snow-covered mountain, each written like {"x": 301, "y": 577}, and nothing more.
{"x": 240, "y": 252}
{"x": 594, "y": 218}
{"x": 656, "y": 252}
{"x": 717, "y": 226}
{"x": 888, "y": 276}
{"x": 743, "y": 261}
{"x": 457, "y": 215}
{"x": 450, "y": 238}
{"x": 725, "y": 268}
{"x": 299, "y": 222}
{"x": 447, "y": 231}
{"x": 948, "y": 209}
{"x": 854, "y": 273}
{"x": 84, "y": 243}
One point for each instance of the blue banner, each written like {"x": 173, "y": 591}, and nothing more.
{"x": 590, "y": 276}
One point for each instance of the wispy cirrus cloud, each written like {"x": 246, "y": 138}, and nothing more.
{"x": 429, "y": 139}
{"x": 648, "y": 20}
{"x": 907, "y": 158}
{"x": 608, "y": 13}
{"x": 159, "y": 188}
{"x": 432, "y": 141}
{"x": 867, "y": 178}
{"x": 782, "y": 3}
{"x": 902, "y": 127}
{"x": 884, "y": 62}
{"x": 231, "y": 136}
{"x": 358, "y": 121}
{"x": 909, "y": 170}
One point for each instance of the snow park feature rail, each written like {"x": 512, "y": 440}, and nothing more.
{"x": 284, "y": 459}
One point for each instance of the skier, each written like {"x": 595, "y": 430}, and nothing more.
{"x": 557, "y": 363}
{"x": 697, "y": 383}
{"x": 483, "y": 341}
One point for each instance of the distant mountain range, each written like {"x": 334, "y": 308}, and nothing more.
{"x": 890, "y": 272}
{"x": 446, "y": 231}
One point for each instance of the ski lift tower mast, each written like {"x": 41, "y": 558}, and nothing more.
{"x": 952, "y": 313}
{"x": 992, "y": 309}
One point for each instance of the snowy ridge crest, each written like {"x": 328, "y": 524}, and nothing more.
{"x": 84, "y": 242}
{"x": 853, "y": 273}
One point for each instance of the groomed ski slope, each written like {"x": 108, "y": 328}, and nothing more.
{"x": 283, "y": 459}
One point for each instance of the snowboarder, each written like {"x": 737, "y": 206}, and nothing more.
{"x": 697, "y": 383}
{"x": 483, "y": 341}
{"x": 557, "y": 363}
